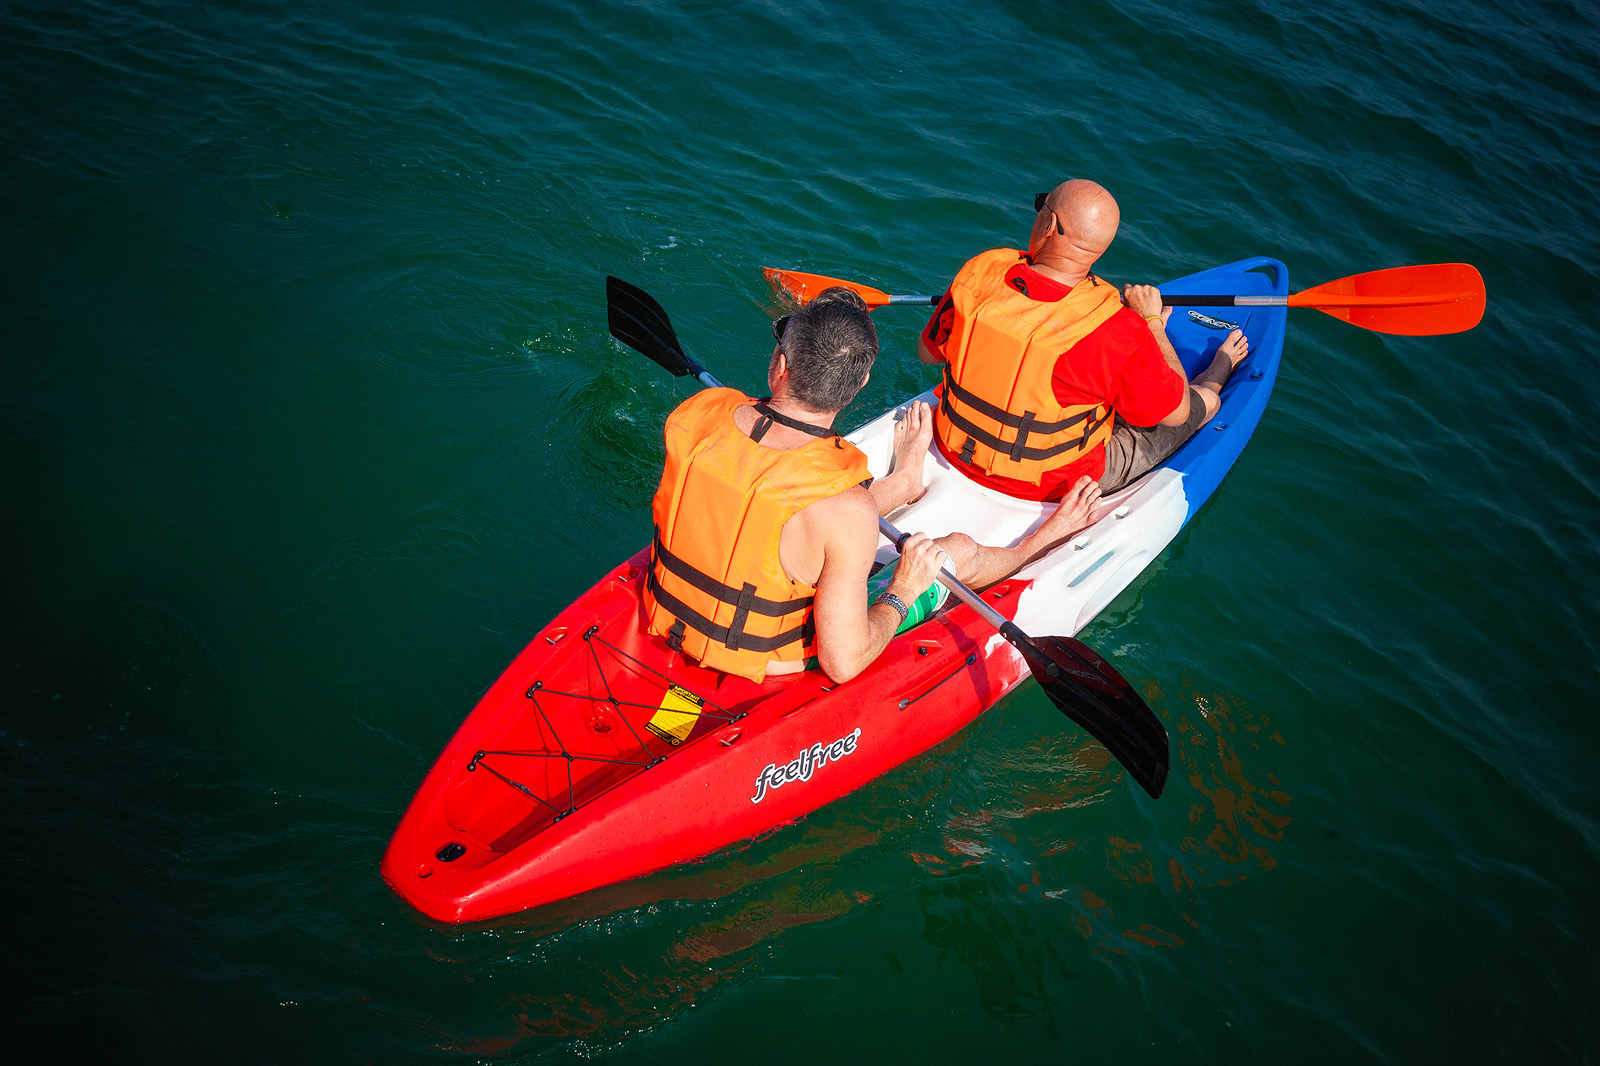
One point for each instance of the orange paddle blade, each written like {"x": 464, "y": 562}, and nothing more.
{"x": 802, "y": 287}
{"x": 1415, "y": 301}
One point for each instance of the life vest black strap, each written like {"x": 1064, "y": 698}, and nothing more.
{"x": 1017, "y": 450}
{"x": 1014, "y": 449}
{"x": 769, "y": 416}
{"x": 1006, "y": 418}
{"x": 735, "y": 639}
{"x": 726, "y": 593}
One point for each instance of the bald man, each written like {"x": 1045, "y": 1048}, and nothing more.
{"x": 1053, "y": 379}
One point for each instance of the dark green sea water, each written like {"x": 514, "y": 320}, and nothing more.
{"x": 309, "y": 420}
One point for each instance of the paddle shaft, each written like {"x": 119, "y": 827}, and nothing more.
{"x": 1186, "y": 300}
{"x": 1317, "y": 300}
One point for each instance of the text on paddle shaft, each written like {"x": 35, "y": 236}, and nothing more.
{"x": 804, "y": 765}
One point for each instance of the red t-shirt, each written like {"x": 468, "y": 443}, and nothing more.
{"x": 1119, "y": 363}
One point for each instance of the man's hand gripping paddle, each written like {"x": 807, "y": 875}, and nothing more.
{"x": 1081, "y": 684}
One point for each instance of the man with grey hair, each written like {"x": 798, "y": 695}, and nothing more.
{"x": 767, "y": 520}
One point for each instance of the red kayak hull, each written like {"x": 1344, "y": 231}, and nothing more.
{"x": 507, "y": 820}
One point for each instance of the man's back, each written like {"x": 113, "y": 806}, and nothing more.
{"x": 1040, "y": 359}
{"x": 1034, "y": 371}
{"x": 718, "y": 589}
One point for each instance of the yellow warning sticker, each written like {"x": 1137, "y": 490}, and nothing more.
{"x": 680, "y": 710}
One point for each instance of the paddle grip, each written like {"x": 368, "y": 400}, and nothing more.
{"x": 1180, "y": 300}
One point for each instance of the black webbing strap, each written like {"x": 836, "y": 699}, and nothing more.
{"x": 1020, "y": 447}
{"x": 1006, "y": 418}
{"x": 769, "y": 416}
{"x": 1010, "y": 448}
{"x": 726, "y": 593}
{"x": 725, "y": 635}
{"x": 1017, "y": 450}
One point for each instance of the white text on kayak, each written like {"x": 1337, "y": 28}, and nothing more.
{"x": 804, "y": 765}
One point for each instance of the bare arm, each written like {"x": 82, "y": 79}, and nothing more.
{"x": 1146, "y": 300}
{"x": 850, "y": 632}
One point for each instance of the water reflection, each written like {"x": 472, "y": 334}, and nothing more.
{"x": 1047, "y": 822}
{"x": 972, "y": 916}
{"x": 1020, "y": 851}
{"x": 615, "y": 962}
{"x": 1238, "y": 816}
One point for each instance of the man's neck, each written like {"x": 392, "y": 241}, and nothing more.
{"x": 776, "y": 434}
{"x": 1057, "y": 269}
{"x": 786, "y": 406}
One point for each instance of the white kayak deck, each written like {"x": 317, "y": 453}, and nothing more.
{"x": 1073, "y": 583}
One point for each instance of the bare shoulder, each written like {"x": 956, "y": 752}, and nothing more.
{"x": 847, "y": 532}
{"x": 825, "y": 533}
{"x": 854, "y": 506}
{"x": 851, "y": 517}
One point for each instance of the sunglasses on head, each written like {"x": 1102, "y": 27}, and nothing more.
{"x": 780, "y": 324}
{"x": 1038, "y": 205}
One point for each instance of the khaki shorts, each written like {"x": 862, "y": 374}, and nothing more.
{"x": 1133, "y": 452}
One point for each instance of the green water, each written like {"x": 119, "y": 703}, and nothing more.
{"x": 309, "y": 420}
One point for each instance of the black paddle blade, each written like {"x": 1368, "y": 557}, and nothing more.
{"x": 1099, "y": 670}
{"x": 1087, "y": 689}
{"x": 638, "y": 321}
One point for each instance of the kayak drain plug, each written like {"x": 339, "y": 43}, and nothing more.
{"x": 451, "y": 852}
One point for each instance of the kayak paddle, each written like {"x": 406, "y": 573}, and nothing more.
{"x": 1415, "y": 301}
{"x": 804, "y": 286}
{"x": 1082, "y": 685}
{"x": 635, "y": 319}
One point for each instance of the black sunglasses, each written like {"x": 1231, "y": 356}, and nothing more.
{"x": 780, "y": 324}
{"x": 1038, "y": 205}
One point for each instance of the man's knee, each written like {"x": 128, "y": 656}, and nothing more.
{"x": 962, "y": 549}
{"x": 1210, "y": 400}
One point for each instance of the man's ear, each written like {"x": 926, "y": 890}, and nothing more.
{"x": 777, "y": 368}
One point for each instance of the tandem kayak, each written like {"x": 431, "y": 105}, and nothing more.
{"x": 602, "y": 755}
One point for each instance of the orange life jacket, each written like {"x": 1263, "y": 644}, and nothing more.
{"x": 716, "y": 590}
{"x": 998, "y": 411}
